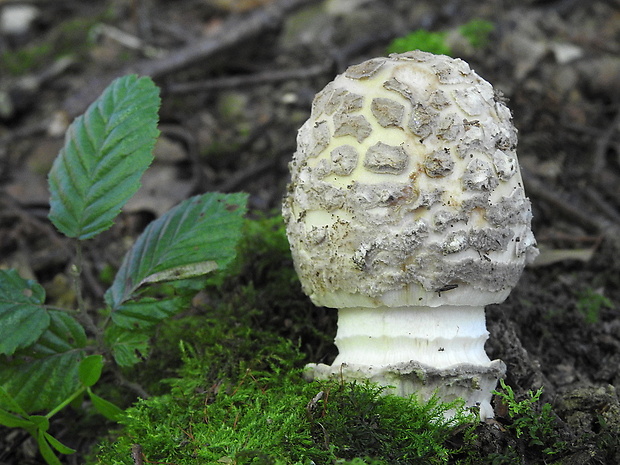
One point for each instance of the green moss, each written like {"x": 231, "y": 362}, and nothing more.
{"x": 69, "y": 38}
{"x": 591, "y": 303}
{"x": 23, "y": 60}
{"x": 258, "y": 409}
{"x": 477, "y": 32}
{"x": 426, "y": 41}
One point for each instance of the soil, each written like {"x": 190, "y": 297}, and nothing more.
{"x": 237, "y": 80}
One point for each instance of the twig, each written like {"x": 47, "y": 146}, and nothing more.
{"x": 587, "y": 220}
{"x": 602, "y": 204}
{"x": 602, "y": 144}
{"x": 240, "y": 177}
{"x": 250, "y": 80}
{"x": 135, "y": 387}
{"x": 136, "y": 454}
{"x": 233, "y": 31}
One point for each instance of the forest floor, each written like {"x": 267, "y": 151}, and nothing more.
{"x": 237, "y": 80}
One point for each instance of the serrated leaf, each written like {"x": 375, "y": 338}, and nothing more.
{"x": 160, "y": 302}
{"x": 182, "y": 243}
{"x": 128, "y": 347}
{"x": 147, "y": 312}
{"x": 43, "y": 376}
{"x": 106, "y": 152}
{"x": 22, "y": 316}
{"x": 90, "y": 370}
{"x": 106, "y": 408}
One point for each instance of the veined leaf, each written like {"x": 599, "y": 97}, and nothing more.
{"x": 42, "y": 376}
{"x": 157, "y": 303}
{"x": 148, "y": 311}
{"x": 22, "y": 316}
{"x": 185, "y": 242}
{"x": 9, "y": 403}
{"x": 106, "y": 152}
{"x": 127, "y": 346}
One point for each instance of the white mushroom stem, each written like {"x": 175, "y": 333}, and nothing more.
{"x": 421, "y": 351}
{"x": 438, "y": 337}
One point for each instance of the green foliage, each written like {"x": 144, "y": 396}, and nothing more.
{"x": 51, "y": 357}
{"x": 476, "y": 32}
{"x": 590, "y": 303}
{"x": 106, "y": 152}
{"x": 240, "y": 398}
{"x": 24, "y": 59}
{"x": 22, "y": 315}
{"x": 536, "y": 425}
{"x": 362, "y": 421}
{"x": 196, "y": 237}
{"x": 69, "y": 38}
{"x": 421, "y": 39}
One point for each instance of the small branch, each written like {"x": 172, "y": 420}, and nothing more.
{"x": 602, "y": 144}
{"x": 135, "y": 387}
{"x": 245, "y": 81}
{"x": 536, "y": 188}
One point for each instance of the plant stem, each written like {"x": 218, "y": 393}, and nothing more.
{"x": 65, "y": 402}
{"x": 76, "y": 271}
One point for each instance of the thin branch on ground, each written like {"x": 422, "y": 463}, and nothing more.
{"x": 583, "y": 217}
{"x": 602, "y": 145}
{"x": 267, "y": 77}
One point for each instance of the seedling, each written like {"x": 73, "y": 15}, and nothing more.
{"x": 50, "y": 356}
{"x": 533, "y": 424}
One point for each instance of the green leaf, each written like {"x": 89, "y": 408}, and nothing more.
{"x": 148, "y": 311}
{"x": 198, "y": 235}
{"x": 42, "y": 423}
{"x": 160, "y": 302}
{"x": 46, "y": 451}
{"x": 47, "y": 373}
{"x": 106, "y": 152}
{"x": 22, "y": 316}
{"x": 59, "y": 446}
{"x": 128, "y": 347}
{"x": 7, "y": 401}
{"x": 105, "y": 408}
{"x": 90, "y": 369}
{"x": 13, "y": 421}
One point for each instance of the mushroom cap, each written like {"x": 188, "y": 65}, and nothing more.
{"x": 406, "y": 190}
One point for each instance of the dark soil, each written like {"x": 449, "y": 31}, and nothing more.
{"x": 237, "y": 80}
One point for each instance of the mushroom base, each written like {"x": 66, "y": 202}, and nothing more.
{"x": 474, "y": 384}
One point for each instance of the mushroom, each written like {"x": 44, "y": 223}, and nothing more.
{"x": 406, "y": 212}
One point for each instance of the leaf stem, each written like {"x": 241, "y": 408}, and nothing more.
{"x": 65, "y": 402}
{"x": 76, "y": 271}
